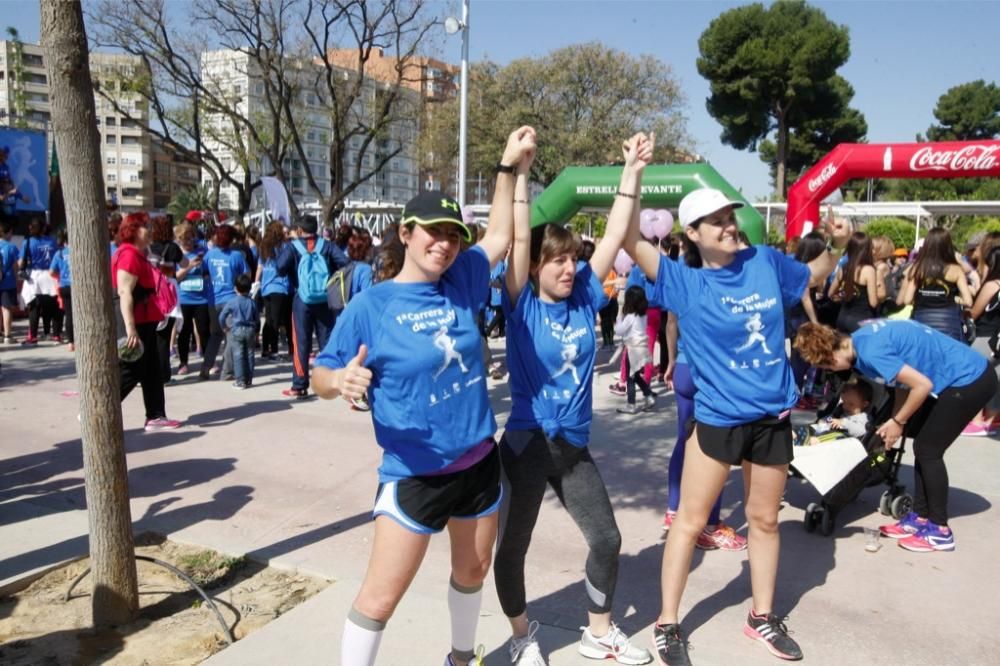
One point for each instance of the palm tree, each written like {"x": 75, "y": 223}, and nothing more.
{"x": 194, "y": 198}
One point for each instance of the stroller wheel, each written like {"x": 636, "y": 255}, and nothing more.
{"x": 885, "y": 503}
{"x": 811, "y": 517}
{"x": 901, "y": 505}
{"x": 826, "y": 522}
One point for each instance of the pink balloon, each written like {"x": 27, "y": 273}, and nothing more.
{"x": 647, "y": 218}
{"x": 623, "y": 263}
{"x": 664, "y": 223}
{"x": 468, "y": 216}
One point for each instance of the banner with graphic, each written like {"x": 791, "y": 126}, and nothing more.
{"x": 24, "y": 169}
{"x": 944, "y": 159}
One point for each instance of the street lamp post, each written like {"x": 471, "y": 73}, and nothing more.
{"x": 451, "y": 26}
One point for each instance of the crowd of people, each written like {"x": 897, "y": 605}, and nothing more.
{"x": 401, "y": 327}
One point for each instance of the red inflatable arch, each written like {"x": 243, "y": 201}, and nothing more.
{"x": 946, "y": 159}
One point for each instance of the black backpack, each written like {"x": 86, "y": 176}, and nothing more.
{"x": 338, "y": 288}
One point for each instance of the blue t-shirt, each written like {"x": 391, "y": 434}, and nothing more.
{"x": 270, "y": 281}
{"x": 223, "y": 267}
{"x": 41, "y": 249}
{"x": 8, "y": 265}
{"x": 361, "y": 278}
{"x": 60, "y": 264}
{"x": 732, "y": 320}
{"x": 550, "y": 353}
{"x": 428, "y": 393}
{"x": 884, "y": 346}
{"x": 496, "y": 284}
{"x": 196, "y": 287}
{"x": 637, "y": 278}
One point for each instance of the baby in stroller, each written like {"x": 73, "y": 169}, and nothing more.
{"x": 849, "y": 418}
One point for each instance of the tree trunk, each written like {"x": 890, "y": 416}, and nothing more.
{"x": 115, "y": 598}
{"x": 779, "y": 172}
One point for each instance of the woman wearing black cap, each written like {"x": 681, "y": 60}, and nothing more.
{"x": 411, "y": 345}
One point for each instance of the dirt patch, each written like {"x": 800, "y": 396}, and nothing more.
{"x": 175, "y": 626}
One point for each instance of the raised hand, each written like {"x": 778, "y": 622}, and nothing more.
{"x": 638, "y": 150}
{"x": 356, "y": 378}
{"x": 520, "y": 147}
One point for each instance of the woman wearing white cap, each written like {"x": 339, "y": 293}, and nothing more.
{"x": 731, "y": 312}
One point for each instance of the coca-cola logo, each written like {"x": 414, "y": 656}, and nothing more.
{"x": 970, "y": 158}
{"x": 825, "y": 175}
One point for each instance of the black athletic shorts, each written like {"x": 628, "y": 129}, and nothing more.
{"x": 425, "y": 504}
{"x": 767, "y": 441}
{"x": 8, "y": 298}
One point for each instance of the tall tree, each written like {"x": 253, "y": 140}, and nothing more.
{"x": 967, "y": 112}
{"x": 818, "y": 129}
{"x": 115, "y": 598}
{"x": 764, "y": 63}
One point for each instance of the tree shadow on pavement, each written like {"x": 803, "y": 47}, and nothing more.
{"x": 285, "y": 546}
{"x": 229, "y": 415}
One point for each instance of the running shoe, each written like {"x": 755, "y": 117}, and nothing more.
{"x": 648, "y": 403}
{"x": 771, "y": 631}
{"x": 8, "y": 340}
{"x": 721, "y": 537}
{"x": 298, "y": 394}
{"x": 668, "y": 519}
{"x": 360, "y": 404}
{"x": 629, "y": 408}
{"x": 477, "y": 660}
{"x": 974, "y": 429}
{"x": 71, "y": 346}
{"x": 183, "y": 370}
{"x": 909, "y": 524}
{"x": 30, "y": 341}
{"x": 56, "y": 339}
{"x": 931, "y": 537}
{"x": 617, "y": 389}
{"x": 239, "y": 386}
{"x": 614, "y": 645}
{"x": 671, "y": 648}
{"x": 162, "y": 423}
{"x": 525, "y": 651}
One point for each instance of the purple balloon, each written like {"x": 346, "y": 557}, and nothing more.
{"x": 468, "y": 216}
{"x": 647, "y": 218}
{"x": 623, "y": 263}
{"x": 664, "y": 223}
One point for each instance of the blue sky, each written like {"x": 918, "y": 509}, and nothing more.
{"x": 904, "y": 54}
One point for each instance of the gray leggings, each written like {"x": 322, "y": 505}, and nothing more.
{"x": 530, "y": 461}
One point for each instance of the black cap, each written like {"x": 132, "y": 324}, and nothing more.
{"x": 434, "y": 207}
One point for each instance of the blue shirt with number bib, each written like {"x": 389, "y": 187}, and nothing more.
{"x": 223, "y": 267}
{"x": 550, "y": 353}
{"x": 195, "y": 288}
{"x": 732, "y": 320}
{"x": 428, "y": 393}
{"x": 884, "y": 346}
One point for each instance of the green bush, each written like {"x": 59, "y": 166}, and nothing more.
{"x": 900, "y": 230}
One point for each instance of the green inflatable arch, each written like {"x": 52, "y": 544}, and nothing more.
{"x": 663, "y": 186}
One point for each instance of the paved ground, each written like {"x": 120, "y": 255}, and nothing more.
{"x": 292, "y": 484}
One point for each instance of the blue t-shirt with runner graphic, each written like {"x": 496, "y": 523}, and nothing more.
{"x": 884, "y": 346}
{"x": 550, "y": 354}
{"x": 732, "y": 320}
{"x": 9, "y": 255}
{"x": 428, "y": 393}
{"x": 61, "y": 265}
{"x": 223, "y": 266}
{"x": 196, "y": 287}
{"x": 40, "y": 251}
{"x": 270, "y": 281}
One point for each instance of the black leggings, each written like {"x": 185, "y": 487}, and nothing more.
{"x": 277, "y": 315}
{"x": 195, "y": 317}
{"x": 574, "y": 477}
{"x": 145, "y": 371}
{"x": 163, "y": 349}
{"x": 67, "y": 299}
{"x": 48, "y": 309}
{"x": 938, "y": 423}
{"x": 608, "y": 315}
{"x": 633, "y": 378}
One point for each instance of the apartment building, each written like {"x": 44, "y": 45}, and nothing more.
{"x": 173, "y": 172}
{"x": 233, "y": 75}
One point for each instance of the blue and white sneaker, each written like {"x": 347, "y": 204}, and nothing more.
{"x": 908, "y": 525}
{"x": 930, "y": 538}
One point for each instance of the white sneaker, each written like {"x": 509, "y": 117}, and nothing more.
{"x": 615, "y": 645}
{"x": 648, "y": 403}
{"x": 525, "y": 651}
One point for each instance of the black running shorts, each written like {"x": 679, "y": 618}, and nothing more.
{"x": 764, "y": 442}
{"x": 425, "y": 504}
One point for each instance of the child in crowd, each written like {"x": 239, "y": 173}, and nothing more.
{"x": 853, "y": 410}
{"x": 9, "y": 255}
{"x": 631, "y": 326}
{"x": 240, "y": 320}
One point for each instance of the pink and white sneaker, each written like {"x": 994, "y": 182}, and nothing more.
{"x": 668, "y": 519}
{"x": 152, "y": 425}
{"x": 974, "y": 429}
{"x": 908, "y": 525}
{"x": 720, "y": 537}
{"x": 932, "y": 537}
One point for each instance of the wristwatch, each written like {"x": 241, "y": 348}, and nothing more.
{"x": 503, "y": 168}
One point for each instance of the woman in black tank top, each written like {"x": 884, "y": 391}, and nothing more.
{"x": 936, "y": 286}
{"x": 986, "y": 312}
{"x": 858, "y": 285}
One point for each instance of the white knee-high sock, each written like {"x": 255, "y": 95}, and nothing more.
{"x": 359, "y": 644}
{"x": 464, "y": 604}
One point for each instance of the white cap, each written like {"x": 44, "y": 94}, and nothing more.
{"x": 700, "y": 203}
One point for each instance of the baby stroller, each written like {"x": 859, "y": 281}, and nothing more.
{"x": 878, "y": 467}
